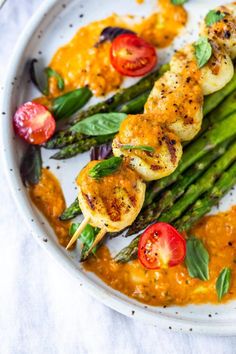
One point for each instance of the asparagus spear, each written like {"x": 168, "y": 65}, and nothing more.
{"x": 136, "y": 105}
{"x": 199, "y": 209}
{"x": 129, "y": 252}
{"x": 81, "y": 146}
{"x": 223, "y": 110}
{"x": 219, "y": 132}
{"x": 71, "y": 212}
{"x": 227, "y": 107}
{"x": 202, "y": 185}
{"x": 154, "y": 210}
{"x": 204, "y": 205}
{"x": 63, "y": 138}
{"x": 212, "y": 101}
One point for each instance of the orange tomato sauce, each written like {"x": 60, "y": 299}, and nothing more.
{"x": 174, "y": 285}
{"x": 48, "y": 197}
{"x": 80, "y": 63}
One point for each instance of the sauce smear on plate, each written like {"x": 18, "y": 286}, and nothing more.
{"x": 47, "y": 195}
{"x": 174, "y": 286}
{"x": 80, "y": 63}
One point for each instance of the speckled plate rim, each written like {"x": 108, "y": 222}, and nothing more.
{"x": 124, "y": 306}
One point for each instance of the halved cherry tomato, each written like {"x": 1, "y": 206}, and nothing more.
{"x": 161, "y": 246}
{"x": 34, "y": 123}
{"x": 132, "y": 55}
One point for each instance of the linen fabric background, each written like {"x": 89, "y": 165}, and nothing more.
{"x": 43, "y": 310}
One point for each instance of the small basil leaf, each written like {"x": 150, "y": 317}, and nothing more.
{"x": 178, "y": 2}
{"x": 197, "y": 259}
{"x": 223, "y": 282}
{"x": 52, "y": 73}
{"x": 213, "y": 16}
{"x": 138, "y": 147}
{"x": 87, "y": 237}
{"x": 101, "y": 152}
{"x": 66, "y": 105}
{"x": 105, "y": 168}
{"x": 38, "y": 78}
{"x": 31, "y": 165}
{"x": 203, "y": 51}
{"x": 110, "y": 33}
{"x": 100, "y": 124}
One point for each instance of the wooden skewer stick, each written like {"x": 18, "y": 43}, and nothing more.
{"x": 78, "y": 232}
{"x": 98, "y": 238}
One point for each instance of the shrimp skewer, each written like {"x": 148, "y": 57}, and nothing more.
{"x": 173, "y": 113}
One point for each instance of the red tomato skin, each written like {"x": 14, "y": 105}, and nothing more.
{"x": 133, "y": 43}
{"x": 34, "y": 123}
{"x": 164, "y": 230}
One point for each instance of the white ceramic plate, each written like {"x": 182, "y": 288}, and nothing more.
{"x": 54, "y": 24}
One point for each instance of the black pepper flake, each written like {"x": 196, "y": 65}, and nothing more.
{"x": 81, "y": 15}
{"x": 227, "y": 34}
{"x": 3, "y": 113}
{"x": 230, "y": 243}
{"x": 170, "y": 327}
{"x": 209, "y": 315}
{"x": 133, "y": 312}
{"x": 45, "y": 239}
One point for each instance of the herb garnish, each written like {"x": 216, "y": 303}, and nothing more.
{"x": 31, "y": 165}
{"x": 87, "y": 237}
{"x": 213, "y": 16}
{"x": 223, "y": 282}
{"x": 100, "y": 124}
{"x": 52, "y": 73}
{"x": 197, "y": 259}
{"x": 105, "y": 168}
{"x": 203, "y": 51}
{"x": 137, "y": 147}
{"x": 66, "y": 105}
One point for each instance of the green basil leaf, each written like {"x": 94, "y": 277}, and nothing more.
{"x": 66, "y": 105}
{"x": 223, "y": 282}
{"x": 197, "y": 259}
{"x": 31, "y": 165}
{"x": 138, "y": 147}
{"x": 100, "y": 124}
{"x": 106, "y": 167}
{"x": 213, "y": 16}
{"x": 52, "y": 73}
{"x": 178, "y": 2}
{"x": 203, "y": 51}
{"x": 87, "y": 237}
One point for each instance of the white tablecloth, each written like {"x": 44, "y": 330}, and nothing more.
{"x": 42, "y": 309}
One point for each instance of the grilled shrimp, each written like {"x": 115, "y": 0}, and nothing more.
{"x": 144, "y": 130}
{"x": 111, "y": 202}
{"x": 213, "y": 76}
{"x": 178, "y": 99}
{"x": 223, "y": 31}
